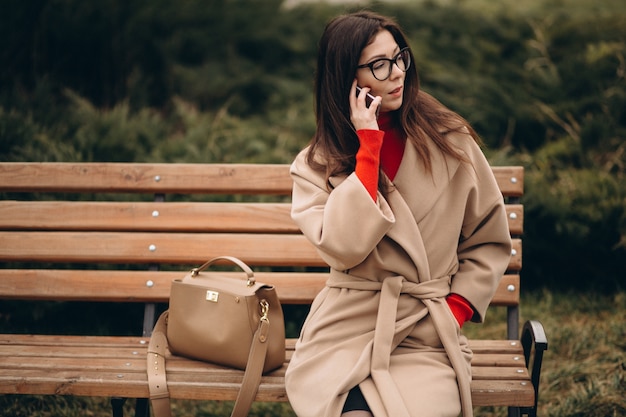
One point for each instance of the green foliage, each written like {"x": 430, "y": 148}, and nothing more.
{"x": 577, "y": 235}
{"x": 543, "y": 82}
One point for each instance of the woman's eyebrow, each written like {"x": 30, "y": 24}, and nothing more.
{"x": 379, "y": 56}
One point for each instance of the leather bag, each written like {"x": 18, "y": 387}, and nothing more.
{"x": 219, "y": 319}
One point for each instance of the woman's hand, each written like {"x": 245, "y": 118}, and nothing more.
{"x": 361, "y": 116}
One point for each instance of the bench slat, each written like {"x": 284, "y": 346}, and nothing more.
{"x": 134, "y": 286}
{"x": 485, "y": 346}
{"x": 497, "y": 359}
{"x": 154, "y": 217}
{"x": 145, "y": 178}
{"x": 502, "y": 393}
{"x": 500, "y": 373}
{"x": 161, "y": 217}
{"x": 174, "y": 248}
{"x": 176, "y": 178}
{"x": 72, "y": 340}
{"x": 153, "y": 286}
{"x": 510, "y": 180}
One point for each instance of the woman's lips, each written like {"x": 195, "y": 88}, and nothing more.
{"x": 396, "y": 92}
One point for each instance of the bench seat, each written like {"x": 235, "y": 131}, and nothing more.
{"x": 116, "y": 366}
{"x": 121, "y": 232}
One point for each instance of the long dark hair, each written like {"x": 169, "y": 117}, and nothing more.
{"x": 421, "y": 117}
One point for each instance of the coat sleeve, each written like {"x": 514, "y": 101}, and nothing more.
{"x": 484, "y": 248}
{"x": 343, "y": 223}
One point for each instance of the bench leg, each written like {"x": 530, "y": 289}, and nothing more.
{"x": 142, "y": 408}
{"x": 117, "y": 404}
{"x": 534, "y": 342}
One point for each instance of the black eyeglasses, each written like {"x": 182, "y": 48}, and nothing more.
{"x": 381, "y": 68}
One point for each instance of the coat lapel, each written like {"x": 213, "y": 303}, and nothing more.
{"x": 422, "y": 191}
{"x": 413, "y": 197}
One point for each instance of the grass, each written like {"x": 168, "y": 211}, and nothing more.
{"x": 584, "y": 370}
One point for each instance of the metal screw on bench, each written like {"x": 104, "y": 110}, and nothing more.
{"x": 149, "y": 283}
{"x": 155, "y": 213}
{"x": 152, "y": 248}
{"x": 513, "y": 216}
{"x": 157, "y": 178}
{"x": 510, "y": 288}
{"x": 514, "y": 180}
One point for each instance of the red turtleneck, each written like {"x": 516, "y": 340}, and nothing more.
{"x": 393, "y": 145}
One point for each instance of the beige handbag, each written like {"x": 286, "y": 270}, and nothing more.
{"x": 222, "y": 320}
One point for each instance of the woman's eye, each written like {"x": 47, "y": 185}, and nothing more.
{"x": 378, "y": 64}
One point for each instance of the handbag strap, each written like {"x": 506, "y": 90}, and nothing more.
{"x": 157, "y": 378}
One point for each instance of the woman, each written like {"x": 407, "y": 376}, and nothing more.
{"x": 406, "y": 212}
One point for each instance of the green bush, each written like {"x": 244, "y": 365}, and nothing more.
{"x": 544, "y": 83}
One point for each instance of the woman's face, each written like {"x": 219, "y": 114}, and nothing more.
{"x": 391, "y": 89}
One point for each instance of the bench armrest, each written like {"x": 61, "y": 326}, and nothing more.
{"x": 534, "y": 343}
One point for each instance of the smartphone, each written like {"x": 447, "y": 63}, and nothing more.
{"x": 368, "y": 99}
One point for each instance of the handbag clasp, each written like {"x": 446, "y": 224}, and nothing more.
{"x": 212, "y": 296}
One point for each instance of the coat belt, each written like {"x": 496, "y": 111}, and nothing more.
{"x": 432, "y": 293}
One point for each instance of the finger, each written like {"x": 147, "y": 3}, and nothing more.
{"x": 377, "y": 102}
{"x": 375, "y": 106}
{"x": 363, "y": 98}
{"x": 353, "y": 94}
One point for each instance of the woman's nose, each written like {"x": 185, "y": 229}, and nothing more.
{"x": 396, "y": 71}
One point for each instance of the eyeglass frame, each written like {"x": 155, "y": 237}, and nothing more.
{"x": 393, "y": 61}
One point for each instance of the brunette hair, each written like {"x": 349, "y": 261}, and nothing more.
{"x": 421, "y": 117}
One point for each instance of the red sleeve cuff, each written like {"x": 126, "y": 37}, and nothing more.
{"x": 460, "y": 307}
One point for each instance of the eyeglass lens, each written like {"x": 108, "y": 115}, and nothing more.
{"x": 382, "y": 69}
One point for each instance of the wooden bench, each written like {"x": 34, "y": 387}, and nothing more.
{"x": 57, "y": 243}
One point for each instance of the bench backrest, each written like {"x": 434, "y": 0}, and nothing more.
{"x": 107, "y": 215}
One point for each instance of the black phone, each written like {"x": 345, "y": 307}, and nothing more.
{"x": 368, "y": 99}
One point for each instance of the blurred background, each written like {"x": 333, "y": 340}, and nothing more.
{"x": 542, "y": 81}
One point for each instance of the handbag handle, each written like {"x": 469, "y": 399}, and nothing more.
{"x": 250, "y": 275}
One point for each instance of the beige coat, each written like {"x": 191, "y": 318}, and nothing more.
{"x": 382, "y": 321}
